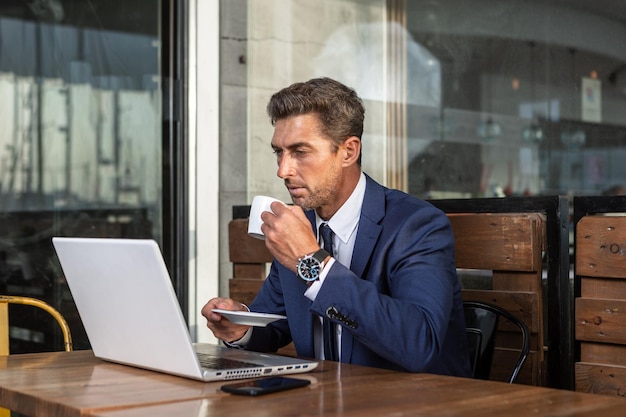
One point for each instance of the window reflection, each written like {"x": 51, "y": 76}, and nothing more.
{"x": 522, "y": 98}
{"x": 80, "y": 145}
{"x": 525, "y": 112}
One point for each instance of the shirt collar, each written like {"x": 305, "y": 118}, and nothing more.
{"x": 345, "y": 221}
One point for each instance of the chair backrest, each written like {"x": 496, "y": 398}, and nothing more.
{"x": 501, "y": 253}
{"x": 600, "y": 294}
{"x": 5, "y": 300}
{"x": 520, "y": 285}
{"x": 481, "y": 321}
{"x": 250, "y": 258}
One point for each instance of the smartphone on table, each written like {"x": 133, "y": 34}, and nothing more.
{"x": 265, "y": 385}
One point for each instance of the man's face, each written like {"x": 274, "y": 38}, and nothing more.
{"x": 307, "y": 162}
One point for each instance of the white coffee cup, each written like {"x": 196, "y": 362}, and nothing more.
{"x": 260, "y": 203}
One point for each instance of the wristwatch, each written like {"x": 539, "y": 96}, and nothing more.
{"x": 310, "y": 266}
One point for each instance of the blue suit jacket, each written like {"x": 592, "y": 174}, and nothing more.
{"x": 399, "y": 302}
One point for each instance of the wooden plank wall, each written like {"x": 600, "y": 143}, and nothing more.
{"x": 600, "y": 310}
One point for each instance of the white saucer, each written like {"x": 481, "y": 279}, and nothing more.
{"x": 249, "y": 318}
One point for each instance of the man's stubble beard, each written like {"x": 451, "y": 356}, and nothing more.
{"x": 323, "y": 195}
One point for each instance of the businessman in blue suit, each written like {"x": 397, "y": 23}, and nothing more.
{"x": 364, "y": 274}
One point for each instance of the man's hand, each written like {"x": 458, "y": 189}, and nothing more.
{"x": 221, "y": 327}
{"x": 288, "y": 234}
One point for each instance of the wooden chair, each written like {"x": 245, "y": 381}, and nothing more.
{"x": 250, "y": 258}
{"x": 553, "y": 290}
{"x": 507, "y": 249}
{"x": 600, "y": 291}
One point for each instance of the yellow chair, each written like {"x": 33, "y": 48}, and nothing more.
{"x": 5, "y": 300}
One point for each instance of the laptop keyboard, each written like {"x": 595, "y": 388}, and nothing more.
{"x": 215, "y": 362}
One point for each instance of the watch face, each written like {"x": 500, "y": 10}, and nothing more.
{"x": 309, "y": 269}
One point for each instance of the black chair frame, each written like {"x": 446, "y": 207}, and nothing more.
{"x": 481, "y": 338}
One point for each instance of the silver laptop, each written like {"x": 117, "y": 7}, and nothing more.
{"x": 130, "y": 312}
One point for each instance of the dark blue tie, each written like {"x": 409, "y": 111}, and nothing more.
{"x": 330, "y": 337}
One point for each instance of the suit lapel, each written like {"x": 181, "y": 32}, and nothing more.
{"x": 372, "y": 213}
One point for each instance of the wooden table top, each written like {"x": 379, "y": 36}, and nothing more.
{"x": 78, "y": 384}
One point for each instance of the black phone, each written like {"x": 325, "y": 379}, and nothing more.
{"x": 265, "y": 385}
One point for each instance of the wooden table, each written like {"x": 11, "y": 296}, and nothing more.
{"x": 77, "y": 384}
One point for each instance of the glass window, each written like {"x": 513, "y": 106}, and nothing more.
{"x": 464, "y": 99}
{"x": 81, "y": 141}
{"x": 531, "y": 98}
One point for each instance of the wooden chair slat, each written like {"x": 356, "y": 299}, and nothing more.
{"x": 244, "y": 289}
{"x": 601, "y": 246}
{"x": 603, "y": 353}
{"x": 254, "y": 271}
{"x": 602, "y": 288}
{"x": 600, "y": 379}
{"x": 243, "y": 248}
{"x": 517, "y": 281}
{"x": 501, "y": 242}
{"x": 601, "y": 320}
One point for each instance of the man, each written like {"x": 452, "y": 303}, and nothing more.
{"x": 387, "y": 286}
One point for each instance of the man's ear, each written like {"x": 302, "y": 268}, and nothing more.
{"x": 352, "y": 149}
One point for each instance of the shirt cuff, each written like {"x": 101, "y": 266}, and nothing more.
{"x": 243, "y": 342}
{"x": 240, "y": 343}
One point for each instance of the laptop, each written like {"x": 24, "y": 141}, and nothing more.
{"x": 130, "y": 312}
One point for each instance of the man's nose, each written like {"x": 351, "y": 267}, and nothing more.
{"x": 285, "y": 167}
